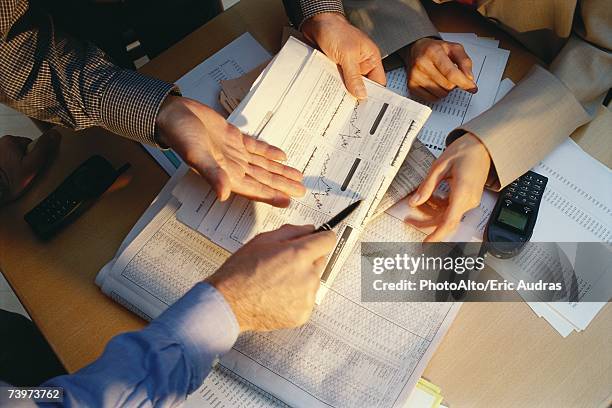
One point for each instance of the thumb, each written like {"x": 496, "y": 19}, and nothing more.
{"x": 208, "y": 168}
{"x": 353, "y": 79}
{"x": 219, "y": 181}
{"x": 43, "y": 151}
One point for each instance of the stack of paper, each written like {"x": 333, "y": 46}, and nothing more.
{"x": 575, "y": 208}
{"x": 425, "y": 395}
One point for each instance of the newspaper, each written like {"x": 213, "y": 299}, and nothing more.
{"x": 347, "y": 150}
{"x": 338, "y": 359}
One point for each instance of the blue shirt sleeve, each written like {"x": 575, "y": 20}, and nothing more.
{"x": 161, "y": 364}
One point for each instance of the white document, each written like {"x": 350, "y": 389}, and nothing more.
{"x": 558, "y": 322}
{"x": 202, "y": 83}
{"x": 421, "y": 399}
{"x": 471, "y": 38}
{"x": 225, "y": 389}
{"x": 347, "y": 151}
{"x": 577, "y": 203}
{"x": 576, "y": 208}
{"x": 337, "y": 359}
{"x": 459, "y": 106}
{"x": 16, "y": 123}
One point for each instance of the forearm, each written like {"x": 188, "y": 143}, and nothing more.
{"x": 68, "y": 82}
{"x": 161, "y": 364}
{"x": 546, "y": 106}
{"x": 527, "y": 124}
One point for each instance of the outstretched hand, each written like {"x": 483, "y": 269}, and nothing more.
{"x": 229, "y": 160}
{"x": 350, "y": 48}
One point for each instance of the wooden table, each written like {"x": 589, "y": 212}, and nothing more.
{"x": 495, "y": 355}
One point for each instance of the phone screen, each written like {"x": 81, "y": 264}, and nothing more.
{"x": 512, "y": 218}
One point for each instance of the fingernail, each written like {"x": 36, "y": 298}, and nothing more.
{"x": 360, "y": 93}
{"x": 414, "y": 199}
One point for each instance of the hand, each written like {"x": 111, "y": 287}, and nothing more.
{"x": 436, "y": 67}
{"x": 465, "y": 165}
{"x": 227, "y": 159}
{"x": 18, "y": 166}
{"x": 348, "y": 47}
{"x": 271, "y": 282}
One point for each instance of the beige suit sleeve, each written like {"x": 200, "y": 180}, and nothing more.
{"x": 548, "y": 105}
{"x": 392, "y": 24}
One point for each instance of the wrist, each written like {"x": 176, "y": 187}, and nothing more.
{"x": 164, "y": 117}
{"x": 313, "y": 27}
{"x": 226, "y": 289}
{"x": 471, "y": 141}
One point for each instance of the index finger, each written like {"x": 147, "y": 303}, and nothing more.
{"x": 261, "y": 148}
{"x": 459, "y": 56}
{"x": 316, "y": 245}
{"x": 374, "y": 70}
{"x": 452, "y": 73}
{"x": 458, "y": 205}
{"x": 284, "y": 233}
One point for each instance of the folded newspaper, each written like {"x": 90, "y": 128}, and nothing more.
{"x": 338, "y": 359}
{"x": 348, "y": 150}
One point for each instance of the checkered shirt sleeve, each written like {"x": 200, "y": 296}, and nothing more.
{"x": 58, "y": 79}
{"x": 301, "y": 10}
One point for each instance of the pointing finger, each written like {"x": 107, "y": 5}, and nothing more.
{"x": 464, "y": 62}
{"x": 459, "y": 203}
{"x": 448, "y": 68}
{"x": 315, "y": 246}
{"x": 285, "y": 233}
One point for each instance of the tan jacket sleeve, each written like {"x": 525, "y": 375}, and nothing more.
{"x": 548, "y": 105}
{"x": 392, "y": 24}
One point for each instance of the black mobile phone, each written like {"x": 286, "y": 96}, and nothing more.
{"x": 514, "y": 215}
{"x": 73, "y": 196}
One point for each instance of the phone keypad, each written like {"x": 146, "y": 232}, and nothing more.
{"x": 526, "y": 191}
{"x": 55, "y": 207}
